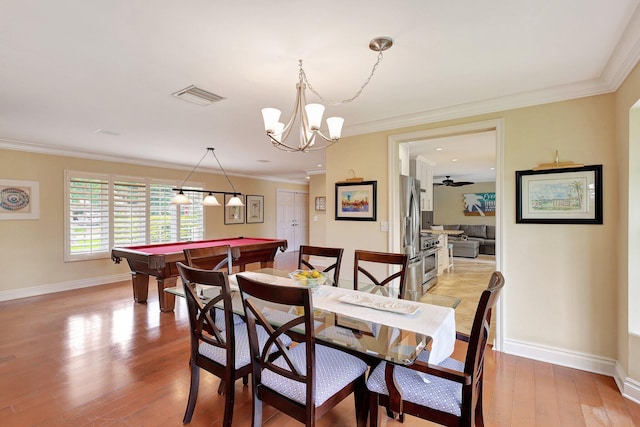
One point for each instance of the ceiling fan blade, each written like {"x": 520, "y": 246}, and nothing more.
{"x": 460, "y": 184}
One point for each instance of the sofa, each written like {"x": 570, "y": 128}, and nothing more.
{"x": 485, "y": 235}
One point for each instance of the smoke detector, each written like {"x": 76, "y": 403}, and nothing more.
{"x": 198, "y": 96}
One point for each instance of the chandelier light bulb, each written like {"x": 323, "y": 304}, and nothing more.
{"x": 277, "y": 133}
{"x": 271, "y": 117}
{"x": 314, "y": 115}
{"x": 335, "y": 127}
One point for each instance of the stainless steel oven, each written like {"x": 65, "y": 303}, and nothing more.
{"x": 430, "y": 248}
{"x": 429, "y": 268}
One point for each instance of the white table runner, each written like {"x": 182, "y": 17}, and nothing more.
{"x": 435, "y": 321}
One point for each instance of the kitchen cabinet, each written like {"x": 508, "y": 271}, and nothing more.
{"x": 422, "y": 170}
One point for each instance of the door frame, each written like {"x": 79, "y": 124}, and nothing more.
{"x": 395, "y": 145}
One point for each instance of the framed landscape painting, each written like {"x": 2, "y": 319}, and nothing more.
{"x": 356, "y": 201}
{"x": 560, "y": 196}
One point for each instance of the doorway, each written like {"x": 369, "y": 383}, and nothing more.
{"x": 399, "y": 154}
{"x": 292, "y": 218}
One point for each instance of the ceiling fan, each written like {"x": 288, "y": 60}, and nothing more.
{"x": 448, "y": 182}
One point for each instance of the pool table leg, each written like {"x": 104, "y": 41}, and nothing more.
{"x": 140, "y": 286}
{"x": 167, "y": 300}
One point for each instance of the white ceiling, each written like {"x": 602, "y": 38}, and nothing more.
{"x": 68, "y": 68}
{"x": 470, "y": 157}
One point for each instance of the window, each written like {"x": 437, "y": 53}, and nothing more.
{"x": 105, "y": 211}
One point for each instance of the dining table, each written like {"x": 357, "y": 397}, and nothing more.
{"x": 371, "y": 322}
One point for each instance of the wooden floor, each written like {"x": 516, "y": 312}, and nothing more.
{"x": 93, "y": 357}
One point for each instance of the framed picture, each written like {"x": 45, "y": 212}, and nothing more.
{"x": 479, "y": 204}
{"x": 233, "y": 214}
{"x": 356, "y": 201}
{"x": 559, "y": 196}
{"x": 321, "y": 203}
{"x": 19, "y": 199}
{"x": 255, "y": 209}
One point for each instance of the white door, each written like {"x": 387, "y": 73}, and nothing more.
{"x": 293, "y": 218}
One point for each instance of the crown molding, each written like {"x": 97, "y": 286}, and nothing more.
{"x": 54, "y": 150}
{"x": 492, "y": 105}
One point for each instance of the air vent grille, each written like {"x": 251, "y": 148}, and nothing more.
{"x": 198, "y": 96}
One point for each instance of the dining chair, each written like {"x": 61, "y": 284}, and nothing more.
{"x": 366, "y": 261}
{"x": 308, "y": 379}
{"x": 449, "y": 393}
{"x": 213, "y": 258}
{"x": 224, "y": 352}
{"x": 318, "y": 254}
{"x": 210, "y": 258}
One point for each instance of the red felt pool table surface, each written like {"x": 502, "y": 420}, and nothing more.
{"x": 160, "y": 260}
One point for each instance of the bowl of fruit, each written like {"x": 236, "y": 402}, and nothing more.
{"x": 309, "y": 278}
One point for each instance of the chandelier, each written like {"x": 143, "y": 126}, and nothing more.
{"x": 310, "y": 115}
{"x": 210, "y": 198}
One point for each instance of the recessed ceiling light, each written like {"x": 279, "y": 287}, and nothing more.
{"x": 308, "y": 177}
{"x": 319, "y": 166}
{"x": 439, "y": 149}
{"x": 454, "y": 160}
{"x": 492, "y": 169}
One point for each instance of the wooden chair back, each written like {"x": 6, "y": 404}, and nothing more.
{"x": 332, "y": 255}
{"x": 203, "y": 329}
{"x": 477, "y": 344}
{"x": 470, "y": 377}
{"x": 252, "y": 294}
{"x": 210, "y": 258}
{"x": 295, "y": 366}
{"x": 363, "y": 261}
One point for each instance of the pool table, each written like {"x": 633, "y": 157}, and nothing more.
{"x": 160, "y": 260}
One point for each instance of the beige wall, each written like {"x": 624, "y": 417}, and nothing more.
{"x": 317, "y": 219}
{"x": 561, "y": 279}
{"x": 34, "y": 249}
{"x": 448, "y": 204}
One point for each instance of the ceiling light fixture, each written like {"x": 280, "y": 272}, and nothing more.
{"x": 311, "y": 138}
{"x": 210, "y": 199}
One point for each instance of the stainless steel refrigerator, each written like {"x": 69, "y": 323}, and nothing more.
{"x": 410, "y": 225}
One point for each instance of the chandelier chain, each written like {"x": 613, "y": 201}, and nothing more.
{"x": 344, "y": 101}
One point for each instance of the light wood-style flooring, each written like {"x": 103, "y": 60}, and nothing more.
{"x": 466, "y": 280}
{"x": 93, "y": 357}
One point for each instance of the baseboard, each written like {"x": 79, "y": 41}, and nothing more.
{"x": 63, "y": 286}
{"x": 570, "y": 359}
{"x": 629, "y": 388}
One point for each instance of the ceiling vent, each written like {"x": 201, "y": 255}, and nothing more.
{"x": 197, "y": 96}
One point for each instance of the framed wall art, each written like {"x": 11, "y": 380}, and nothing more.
{"x": 559, "y": 196}
{"x": 233, "y": 214}
{"x": 479, "y": 204}
{"x": 19, "y": 199}
{"x": 255, "y": 209}
{"x": 356, "y": 201}
{"x": 321, "y": 203}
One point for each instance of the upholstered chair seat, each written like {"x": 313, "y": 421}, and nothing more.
{"x": 420, "y": 388}
{"x": 329, "y": 380}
